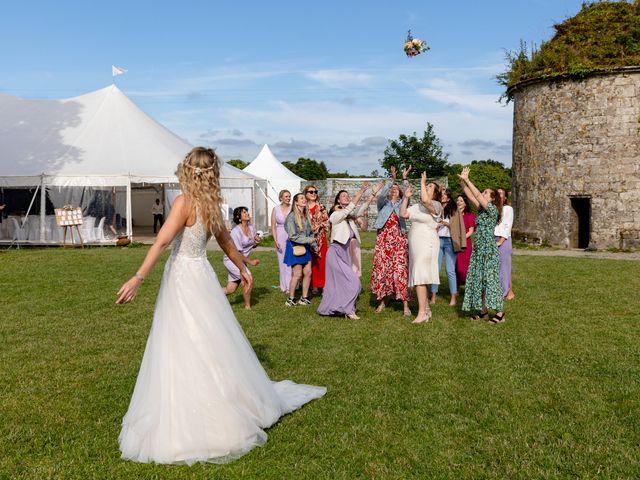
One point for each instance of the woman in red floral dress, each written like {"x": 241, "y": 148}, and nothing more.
{"x": 390, "y": 271}
{"x": 320, "y": 225}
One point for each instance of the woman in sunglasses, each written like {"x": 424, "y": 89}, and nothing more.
{"x": 320, "y": 225}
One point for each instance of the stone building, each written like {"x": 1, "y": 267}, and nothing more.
{"x": 576, "y": 160}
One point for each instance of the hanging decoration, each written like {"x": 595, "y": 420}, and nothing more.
{"x": 414, "y": 46}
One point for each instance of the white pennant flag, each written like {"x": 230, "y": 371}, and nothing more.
{"x": 115, "y": 71}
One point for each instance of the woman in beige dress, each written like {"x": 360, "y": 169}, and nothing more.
{"x": 424, "y": 243}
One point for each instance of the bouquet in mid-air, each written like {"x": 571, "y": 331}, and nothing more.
{"x": 414, "y": 46}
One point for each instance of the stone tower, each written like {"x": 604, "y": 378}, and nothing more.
{"x": 576, "y": 159}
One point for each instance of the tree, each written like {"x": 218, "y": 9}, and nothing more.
{"x": 484, "y": 174}
{"x": 308, "y": 168}
{"x": 420, "y": 153}
{"x": 236, "y": 162}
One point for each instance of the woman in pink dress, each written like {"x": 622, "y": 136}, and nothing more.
{"x": 280, "y": 236}
{"x": 463, "y": 257}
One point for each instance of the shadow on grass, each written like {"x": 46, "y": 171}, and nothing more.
{"x": 236, "y": 297}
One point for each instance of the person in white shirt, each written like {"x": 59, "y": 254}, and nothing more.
{"x": 503, "y": 240}
{"x": 157, "y": 210}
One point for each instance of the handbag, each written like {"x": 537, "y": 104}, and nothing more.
{"x": 299, "y": 250}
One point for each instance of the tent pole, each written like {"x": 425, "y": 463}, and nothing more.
{"x": 43, "y": 210}
{"x": 129, "y": 219}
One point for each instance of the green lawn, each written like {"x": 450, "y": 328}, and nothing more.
{"x": 552, "y": 393}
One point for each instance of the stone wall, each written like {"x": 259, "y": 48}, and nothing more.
{"x": 578, "y": 139}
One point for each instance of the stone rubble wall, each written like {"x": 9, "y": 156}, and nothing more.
{"x": 578, "y": 138}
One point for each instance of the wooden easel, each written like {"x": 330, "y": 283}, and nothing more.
{"x": 67, "y": 218}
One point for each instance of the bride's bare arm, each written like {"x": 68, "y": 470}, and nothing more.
{"x": 226, "y": 244}
{"x": 172, "y": 226}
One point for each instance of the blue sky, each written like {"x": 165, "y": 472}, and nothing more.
{"x": 326, "y": 80}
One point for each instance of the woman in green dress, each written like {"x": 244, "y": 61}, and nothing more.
{"x": 483, "y": 290}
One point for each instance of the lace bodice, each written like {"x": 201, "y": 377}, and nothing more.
{"x": 191, "y": 242}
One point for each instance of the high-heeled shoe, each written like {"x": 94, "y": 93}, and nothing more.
{"x": 423, "y": 318}
{"x": 352, "y": 316}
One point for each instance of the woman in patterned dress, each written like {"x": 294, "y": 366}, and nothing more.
{"x": 483, "y": 290}
{"x": 390, "y": 270}
{"x": 320, "y": 225}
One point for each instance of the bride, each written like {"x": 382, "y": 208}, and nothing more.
{"x": 201, "y": 393}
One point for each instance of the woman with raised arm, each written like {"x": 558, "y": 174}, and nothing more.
{"x": 201, "y": 393}
{"x": 278, "y": 216}
{"x": 390, "y": 258}
{"x": 423, "y": 242}
{"x": 483, "y": 290}
{"x": 342, "y": 285}
{"x": 320, "y": 225}
{"x": 245, "y": 238}
{"x": 297, "y": 254}
{"x": 360, "y": 218}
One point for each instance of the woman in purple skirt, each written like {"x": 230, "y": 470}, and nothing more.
{"x": 342, "y": 285}
{"x": 245, "y": 238}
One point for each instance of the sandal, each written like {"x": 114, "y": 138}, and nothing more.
{"x": 498, "y": 318}
{"x": 480, "y": 316}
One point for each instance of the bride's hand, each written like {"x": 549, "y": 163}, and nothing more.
{"x": 247, "y": 279}
{"x": 128, "y": 291}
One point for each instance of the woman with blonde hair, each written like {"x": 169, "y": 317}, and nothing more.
{"x": 201, "y": 393}
{"x": 297, "y": 253}
{"x": 278, "y": 216}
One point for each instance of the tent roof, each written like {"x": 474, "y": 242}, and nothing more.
{"x": 101, "y": 133}
{"x": 266, "y": 165}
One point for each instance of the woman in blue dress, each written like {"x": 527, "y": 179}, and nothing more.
{"x": 300, "y": 233}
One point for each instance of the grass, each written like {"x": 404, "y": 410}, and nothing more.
{"x": 552, "y": 393}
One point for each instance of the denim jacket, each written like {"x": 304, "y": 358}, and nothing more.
{"x": 386, "y": 207}
{"x": 302, "y": 236}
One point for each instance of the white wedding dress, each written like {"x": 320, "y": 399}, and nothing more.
{"x": 201, "y": 393}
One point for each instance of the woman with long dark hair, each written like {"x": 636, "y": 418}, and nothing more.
{"x": 245, "y": 238}
{"x": 483, "y": 290}
{"x": 463, "y": 257}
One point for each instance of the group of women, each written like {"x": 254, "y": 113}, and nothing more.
{"x": 319, "y": 250}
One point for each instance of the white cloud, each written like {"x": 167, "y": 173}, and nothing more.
{"x": 340, "y": 78}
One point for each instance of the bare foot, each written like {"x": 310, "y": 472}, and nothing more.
{"x": 433, "y": 299}
{"x": 510, "y": 295}
{"x": 247, "y": 307}
{"x": 454, "y": 299}
{"x": 380, "y": 307}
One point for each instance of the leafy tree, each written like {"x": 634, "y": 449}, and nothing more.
{"x": 484, "y": 174}
{"x": 308, "y": 168}
{"x": 422, "y": 154}
{"x": 236, "y": 162}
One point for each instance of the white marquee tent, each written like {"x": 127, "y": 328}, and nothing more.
{"x": 278, "y": 177}
{"x": 99, "y": 151}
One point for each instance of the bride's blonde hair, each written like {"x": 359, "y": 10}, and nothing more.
{"x": 199, "y": 176}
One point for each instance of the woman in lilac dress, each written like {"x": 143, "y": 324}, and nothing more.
{"x": 342, "y": 284}
{"x": 244, "y": 237}
{"x": 280, "y": 236}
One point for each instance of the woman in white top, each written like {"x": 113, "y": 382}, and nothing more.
{"x": 503, "y": 240}
{"x": 423, "y": 242}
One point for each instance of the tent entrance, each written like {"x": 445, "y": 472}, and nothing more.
{"x": 580, "y": 221}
